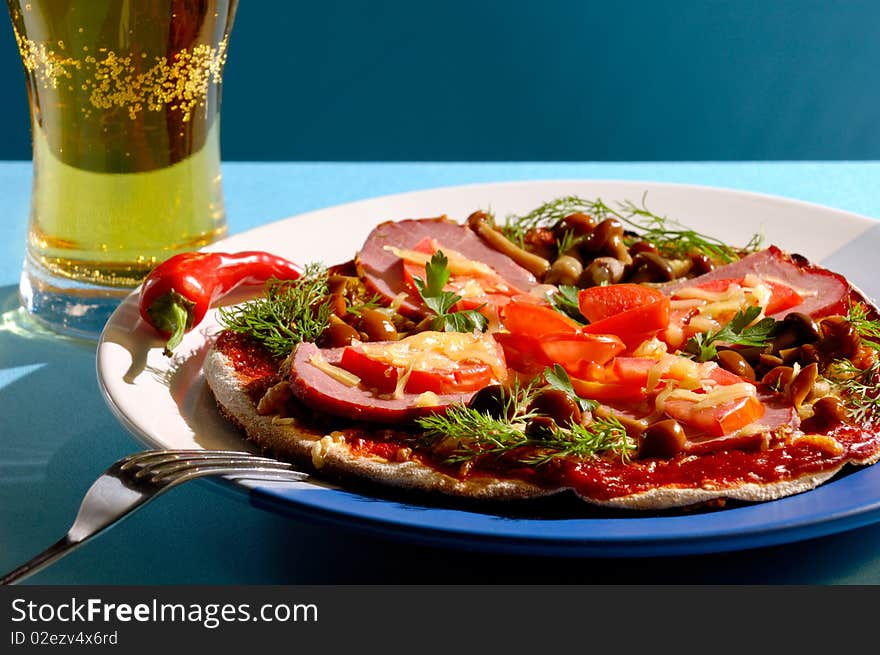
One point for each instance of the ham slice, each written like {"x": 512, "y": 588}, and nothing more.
{"x": 383, "y": 273}
{"x": 823, "y": 291}
{"x": 777, "y": 414}
{"x": 324, "y": 393}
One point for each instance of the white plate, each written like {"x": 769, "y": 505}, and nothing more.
{"x": 165, "y": 402}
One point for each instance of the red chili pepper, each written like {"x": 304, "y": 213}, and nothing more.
{"x": 178, "y": 293}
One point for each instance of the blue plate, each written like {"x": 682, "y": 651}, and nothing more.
{"x": 165, "y": 403}
{"x": 849, "y": 502}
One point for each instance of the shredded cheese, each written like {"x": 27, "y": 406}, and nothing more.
{"x": 683, "y": 372}
{"x": 718, "y": 396}
{"x": 402, "y": 379}
{"x": 442, "y": 351}
{"x": 427, "y": 399}
{"x": 323, "y": 446}
{"x": 652, "y": 347}
{"x": 703, "y": 324}
{"x": 339, "y": 374}
{"x": 707, "y": 295}
{"x": 398, "y": 300}
{"x": 458, "y": 264}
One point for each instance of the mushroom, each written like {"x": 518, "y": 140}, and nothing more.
{"x": 479, "y": 223}
{"x": 565, "y": 270}
{"x": 651, "y": 267}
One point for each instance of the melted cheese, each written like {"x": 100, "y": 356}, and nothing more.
{"x": 458, "y": 264}
{"x": 652, "y": 347}
{"x": 720, "y": 395}
{"x": 427, "y": 399}
{"x": 442, "y": 351}
{"x": 680, "y": 372}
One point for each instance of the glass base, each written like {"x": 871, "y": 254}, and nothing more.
{"x": 66, "y": 306}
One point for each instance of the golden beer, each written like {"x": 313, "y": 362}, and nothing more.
{"x": 124, "y": 98}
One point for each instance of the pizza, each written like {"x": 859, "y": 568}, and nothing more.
{"x": 580, "y": 349}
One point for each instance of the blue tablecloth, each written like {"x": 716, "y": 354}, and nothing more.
{"x": 57, "y": 435}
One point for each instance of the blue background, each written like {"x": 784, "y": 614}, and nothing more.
{"x": 552, "y": 80}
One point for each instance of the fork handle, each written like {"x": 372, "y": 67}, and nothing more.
{"x": 41, "y": 561}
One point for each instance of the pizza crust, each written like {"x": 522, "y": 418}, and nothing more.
{"x": 330, "y": 455}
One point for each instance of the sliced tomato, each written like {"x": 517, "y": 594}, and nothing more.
{"x": 599, "y": 303}
{"x": 637, "y": 369}
{"x": 631, "y": 311}
{"x": 633, "y": 369}
{"x": 373, "y": 374}
{"x": 609, "y": 391}
{"x": 578, "y": 353}
{"x": 521, "y": 353}
{"x": 782, "y": 296}
{"x": 674, "y": 333}
{"x": 719, "y": 420}
{"x": 467, "y": 376}
{"x": 533, "y": 320}
{"x": 723, "y": 376}
{"x": 624, "y": 379}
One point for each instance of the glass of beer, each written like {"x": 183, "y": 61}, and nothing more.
{"x": 125, "y": 122}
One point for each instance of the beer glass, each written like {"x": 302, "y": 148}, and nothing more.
{"x": 125, "y": 123}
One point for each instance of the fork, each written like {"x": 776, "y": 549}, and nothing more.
{"x": 135, "y": 480}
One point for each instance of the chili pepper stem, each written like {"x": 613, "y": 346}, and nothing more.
{"x": 172, "y": 314}
{"x": 180, "y": 314}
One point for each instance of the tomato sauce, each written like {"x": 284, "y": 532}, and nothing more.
{"x": 605, "y": 479}
{"x": 250, "y": 359}
{"x": 362, "y": 444}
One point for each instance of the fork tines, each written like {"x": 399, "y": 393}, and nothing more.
{"x": 158, "y": 457}
{"x": 164, "y": 465}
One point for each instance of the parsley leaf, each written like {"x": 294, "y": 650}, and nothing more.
{"x": 566, "y": 302}
{"x": 557, "y": 378}
{"x": 738, "y": 332}
{"x": 440, "y": 301}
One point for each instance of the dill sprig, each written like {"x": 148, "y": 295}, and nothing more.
{"x": 670, "y": 237}
{"x": 859, "y": 389}
{"x": 565, "y": 241}
{"x": 582, "y": 442}
{"x": 290, "y": 311}
{"x": 463, "y": 434}
{"x": 547, "y": 215}
{"x": 868, "y": 328}
{"x": 357, "y": 308}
